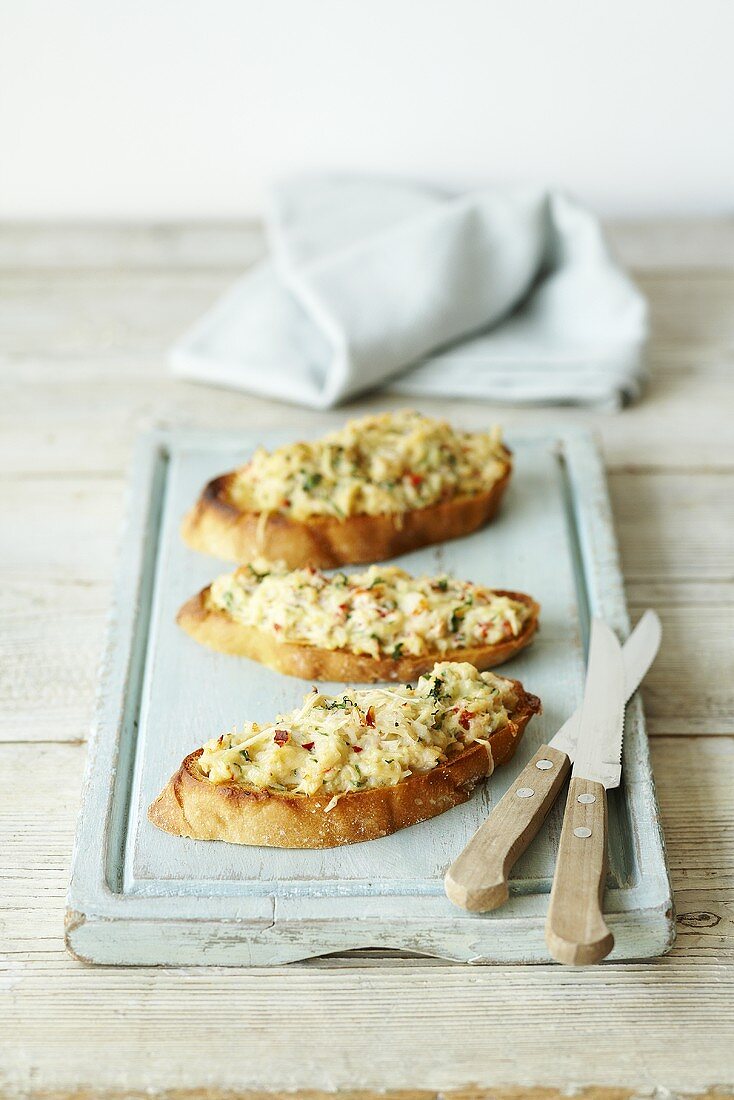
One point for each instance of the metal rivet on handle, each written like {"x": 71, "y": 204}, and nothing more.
{"x": 582, "y": 832}
{"x": 586, "y": 799}
{"x": 525, "y": 792}
{"x": 544, "y": 765}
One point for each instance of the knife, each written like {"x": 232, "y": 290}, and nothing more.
{"x": 477, "y": 879}
{"x": 575, "y": 930}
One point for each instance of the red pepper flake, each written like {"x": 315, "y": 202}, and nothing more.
{"x": 285, "y": 503}
{"x": 356, "y": 748}
{"x": 415, "y": 479}
{"x": 281, "y": 737}
{"x": 344, "y": 607}
{"x": 277, "y": 626}
{"x": 308, "y": 745}
{"x": 370, "y": 716}
{"x": 464, "y": 718}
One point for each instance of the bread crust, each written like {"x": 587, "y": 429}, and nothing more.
{"x": 193, "y": 807}
{"x": 214, "y": 628}
{"x": 216, "y": 526}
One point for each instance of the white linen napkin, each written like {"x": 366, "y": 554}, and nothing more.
{"x": 508, "y": 294}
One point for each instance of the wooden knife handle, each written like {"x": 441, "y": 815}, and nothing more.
{"x": 477, "y": 879}
{"x": 575, "y": 930}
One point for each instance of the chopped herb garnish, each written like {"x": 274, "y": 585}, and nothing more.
{"x": 256, "y": 575}
{"x": 340, "y": 704}
{"x": 310, "y": 481}
{"x": 397, "y": 651}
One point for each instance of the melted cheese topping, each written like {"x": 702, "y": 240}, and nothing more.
{"x": 389, "y": 463}
{"x": 374, "y": 737}
{"x": 383, "y": 611}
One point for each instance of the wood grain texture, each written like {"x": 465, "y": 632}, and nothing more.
{"x": 85, "y": 316}
{"x": 654, "y": 244}
{"x": 575, "y": 930}
{"x": 675, "y": 526}
{"x": 120, "y": 1011}
{"x": 477, "y": 880}
{"x": 511, "y": 1092}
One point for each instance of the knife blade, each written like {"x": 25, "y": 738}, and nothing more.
{"x": 575, "y": 929}
{"x": 638, "y": 653}
{"x": 598, "y": 754}
{"x": 477, "y": 880}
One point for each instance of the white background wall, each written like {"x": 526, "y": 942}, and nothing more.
{"x": 177, "y": 108}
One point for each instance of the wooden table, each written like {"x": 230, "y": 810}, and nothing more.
{"x": 87, "y": 314}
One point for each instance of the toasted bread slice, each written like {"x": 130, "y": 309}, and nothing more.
{"x": 217, "y": 526}
{"x": 298, "y": 622}
{"x": 284, "y": 507}
{"x": 234, "y": 810}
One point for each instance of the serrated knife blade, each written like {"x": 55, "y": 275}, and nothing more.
{"x": 638, "y": 653}
{"x": 601, "y": 724}
{"x": 477, "y": 880}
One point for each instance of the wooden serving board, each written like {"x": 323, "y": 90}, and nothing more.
{"x": 138, "y": 895}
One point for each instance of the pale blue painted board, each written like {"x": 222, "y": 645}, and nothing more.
{"x": 553, "y": 539}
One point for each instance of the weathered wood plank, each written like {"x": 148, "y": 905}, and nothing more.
{"x": 694, "y": 778}
{"x": 82, "y": 370}
{"x": 345, "y": 1006}
{"x": 675, "y": 526}
{"x": 512, "y": 1092}
{"x": 53, "y": 602}
{"x": 690, "y": 688}
{"x": 644, "y": 245}
{"x": 140, "y": 1027}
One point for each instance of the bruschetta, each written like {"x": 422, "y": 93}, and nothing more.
{"x": 380, "y": 486}
{"x": 381, "y": 624}
{"x": 343, "y": 769}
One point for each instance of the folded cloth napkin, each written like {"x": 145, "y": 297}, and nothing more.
{"x": 508, "y": 294}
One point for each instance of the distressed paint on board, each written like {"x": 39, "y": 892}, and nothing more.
{"x": 141, "y": 896}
